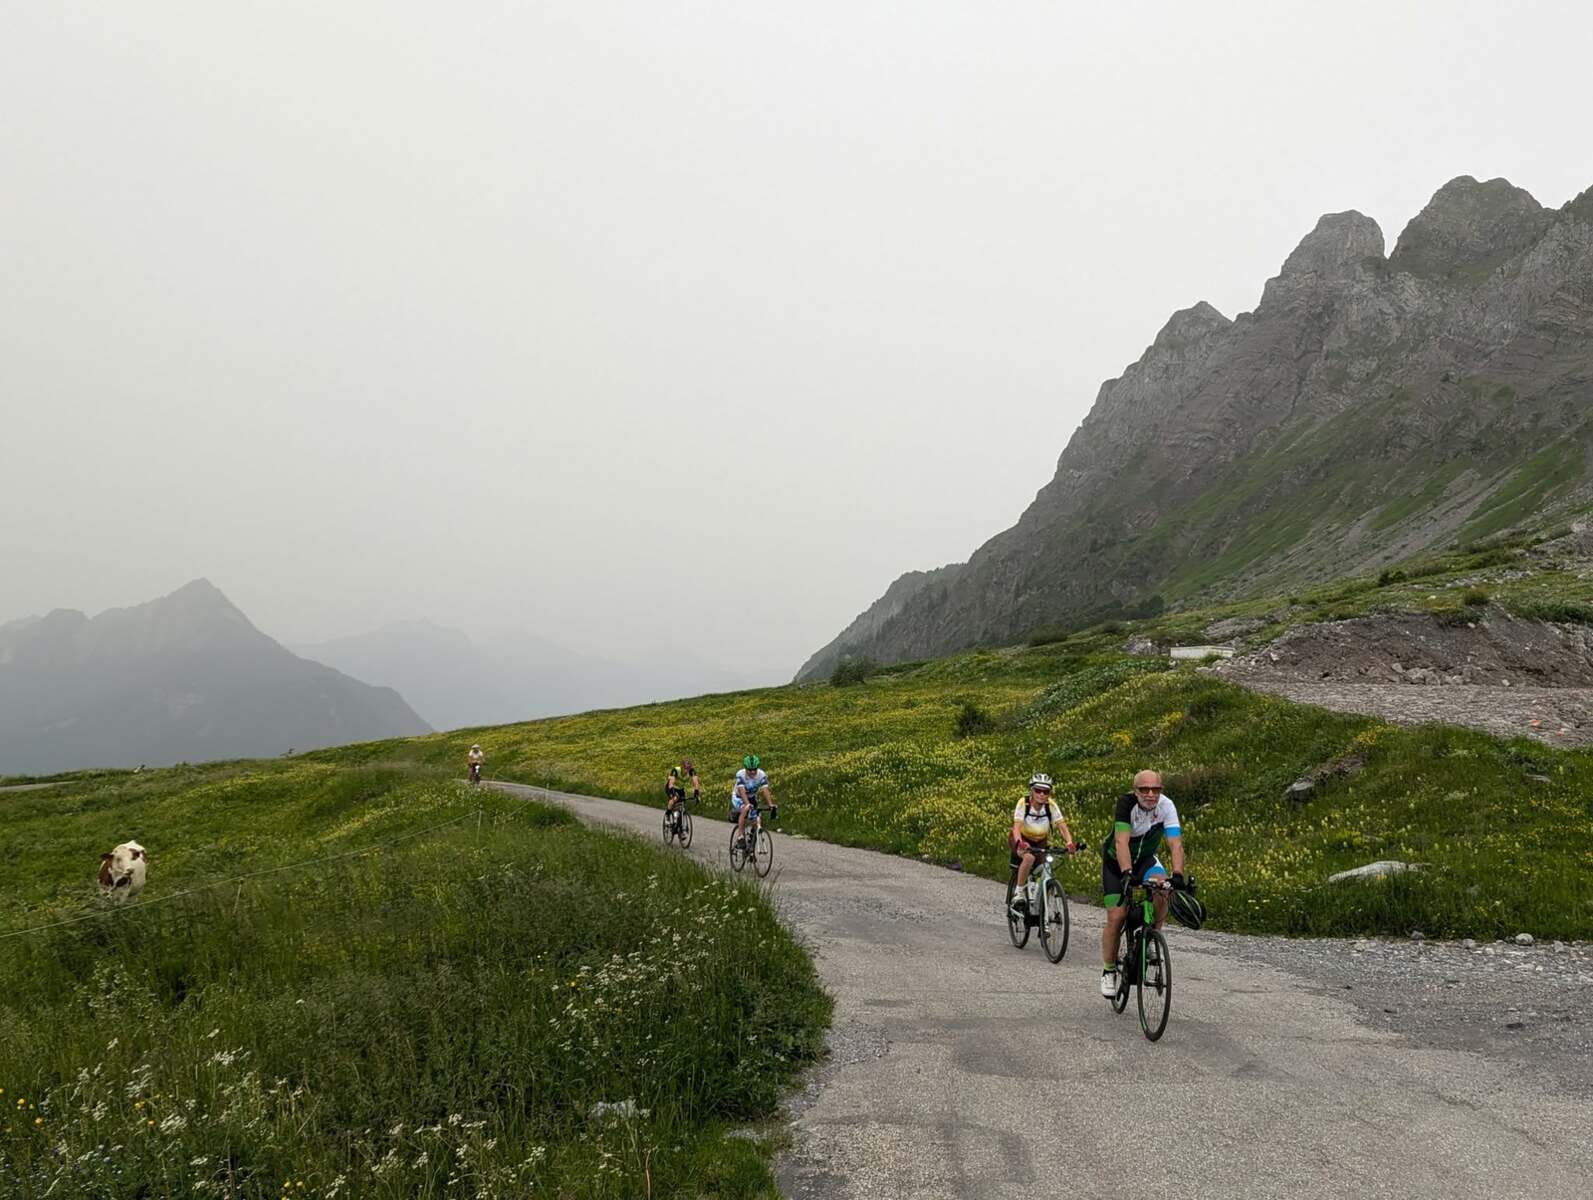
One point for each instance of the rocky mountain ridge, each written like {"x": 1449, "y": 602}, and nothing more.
{"x": 1371, "y": 408}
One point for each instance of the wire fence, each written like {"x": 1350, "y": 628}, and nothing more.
{"x": 240, "y": 880}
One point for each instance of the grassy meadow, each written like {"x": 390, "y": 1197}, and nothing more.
{"x": 880, "y": 764}
{"x": 474, "y": 996}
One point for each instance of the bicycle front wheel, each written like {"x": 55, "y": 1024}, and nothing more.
{"x": 738, "y": 851}
{"x": 1017, "y": 922}
{"x": 1054, "y": 921}
{"x": 763, "y": 852}
{"x": 1155, "y": 984}
{"x": 669, "y": 832}
{"x": 685, "y": 829}
{"x": 1124, "y": 982}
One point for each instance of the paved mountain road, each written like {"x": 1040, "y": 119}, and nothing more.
{"x": 962, "y": 1068}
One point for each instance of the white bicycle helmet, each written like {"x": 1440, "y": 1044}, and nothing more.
{"x": 1040, "y": 780}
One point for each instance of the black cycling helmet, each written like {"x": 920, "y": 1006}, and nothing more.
{"x": 1186, "y": 908}
{"x": 751, "y": 762}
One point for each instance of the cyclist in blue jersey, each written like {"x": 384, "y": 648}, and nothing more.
{"x": 751, "y": 787}
{"x": 1144, "y": 817}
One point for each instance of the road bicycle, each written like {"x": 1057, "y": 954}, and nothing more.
{"x": 756, "y": 844}
{"x": 677, "y": 823}
{"x": 1143, "y": 961}
{"x": 1052, "y": 902}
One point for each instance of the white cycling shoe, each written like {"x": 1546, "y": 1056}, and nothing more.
{"x": 1109, "y": 984}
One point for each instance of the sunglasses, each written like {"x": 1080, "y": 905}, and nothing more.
{"x": 1147, "y": 791}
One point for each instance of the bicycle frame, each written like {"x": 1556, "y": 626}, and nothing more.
{"x": 1039, "y": 875}
{"x": 1132, "y": 960}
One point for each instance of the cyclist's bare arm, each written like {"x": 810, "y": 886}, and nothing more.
{"x": 1176, "y": 845}
{"x": 1124, "y": 862}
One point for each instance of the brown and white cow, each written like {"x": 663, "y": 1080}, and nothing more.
{"x": 122, "y": 871}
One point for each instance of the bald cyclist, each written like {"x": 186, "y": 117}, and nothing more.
{"x": 1144, "y": 817}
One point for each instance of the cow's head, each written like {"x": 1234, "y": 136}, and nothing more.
{"x": 119, "y": 866}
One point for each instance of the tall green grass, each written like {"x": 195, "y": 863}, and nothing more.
{"x": 506, "y": 1007}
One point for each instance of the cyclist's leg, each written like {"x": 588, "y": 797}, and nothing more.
{"x": 1112, "y": 886}
{"x": 1025, "y": 865}
{"x": 1158, "y": 898}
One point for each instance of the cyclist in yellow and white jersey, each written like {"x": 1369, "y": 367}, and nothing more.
{"x": 1034, "y": 819}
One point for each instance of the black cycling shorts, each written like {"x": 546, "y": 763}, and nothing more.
{"x": 1112, "y": 878}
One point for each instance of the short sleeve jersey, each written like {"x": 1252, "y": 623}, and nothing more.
{"x": 1144, "y": 827}
{"x": 752, "y": 781}
{"x": 1037, "y": 822}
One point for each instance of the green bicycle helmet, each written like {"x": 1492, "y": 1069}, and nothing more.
{"x": 751, "y": 762}
{"x": 1186, "y": 908}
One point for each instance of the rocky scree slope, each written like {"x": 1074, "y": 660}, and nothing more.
{"x": 1371, "y": 408}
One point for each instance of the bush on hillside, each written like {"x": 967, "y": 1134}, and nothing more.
{"x": 972, "y": 721}
{"x": 1389, "y": 576}
{"x": 852, "y": 670}
{"x": 1474, "y": 598}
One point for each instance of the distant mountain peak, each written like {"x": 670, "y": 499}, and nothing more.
{"x": 1191, "y": 324}
{"x": 186, "y": 676}
{"x": 1468, "y": 228}
{"x": 1340, "y": 245}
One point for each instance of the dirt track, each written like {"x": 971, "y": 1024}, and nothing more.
{"x": 962, "y": 1068}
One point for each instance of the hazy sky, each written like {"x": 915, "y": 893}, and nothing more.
{"x": 651, "y": 326}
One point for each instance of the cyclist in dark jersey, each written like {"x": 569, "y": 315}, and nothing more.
{"x": 1144, "y": 817}
{"x": 675, "y": 784}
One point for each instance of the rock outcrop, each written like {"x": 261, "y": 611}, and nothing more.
{"x": 1370, "y": 408}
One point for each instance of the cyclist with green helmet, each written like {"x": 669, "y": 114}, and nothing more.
{"x": 752, "y": 785}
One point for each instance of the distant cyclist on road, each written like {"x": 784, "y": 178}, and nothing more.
{"x": 474, "y": 761}
{"x": 675, "y": 784}
{"x": 1032, "y": 822}
{"x": 1144, "y": 817}
{"x": 752, "y": 785}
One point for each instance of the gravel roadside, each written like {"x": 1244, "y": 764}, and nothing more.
{"x": 1531, "y": 1006}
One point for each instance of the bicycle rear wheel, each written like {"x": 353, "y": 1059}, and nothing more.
{"x": 738, "y": 851}
{"x": 668, "y": 831}
{"x": 1054, "y": 925}
{"x": 1017, "y": 922}
{"x": 1155, "y": 984}
{"x": 763, "y": 852}
{"x": 685, "y": 829}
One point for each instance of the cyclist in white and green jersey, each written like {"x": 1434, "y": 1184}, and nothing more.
{"x": 1144, "y": 817}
